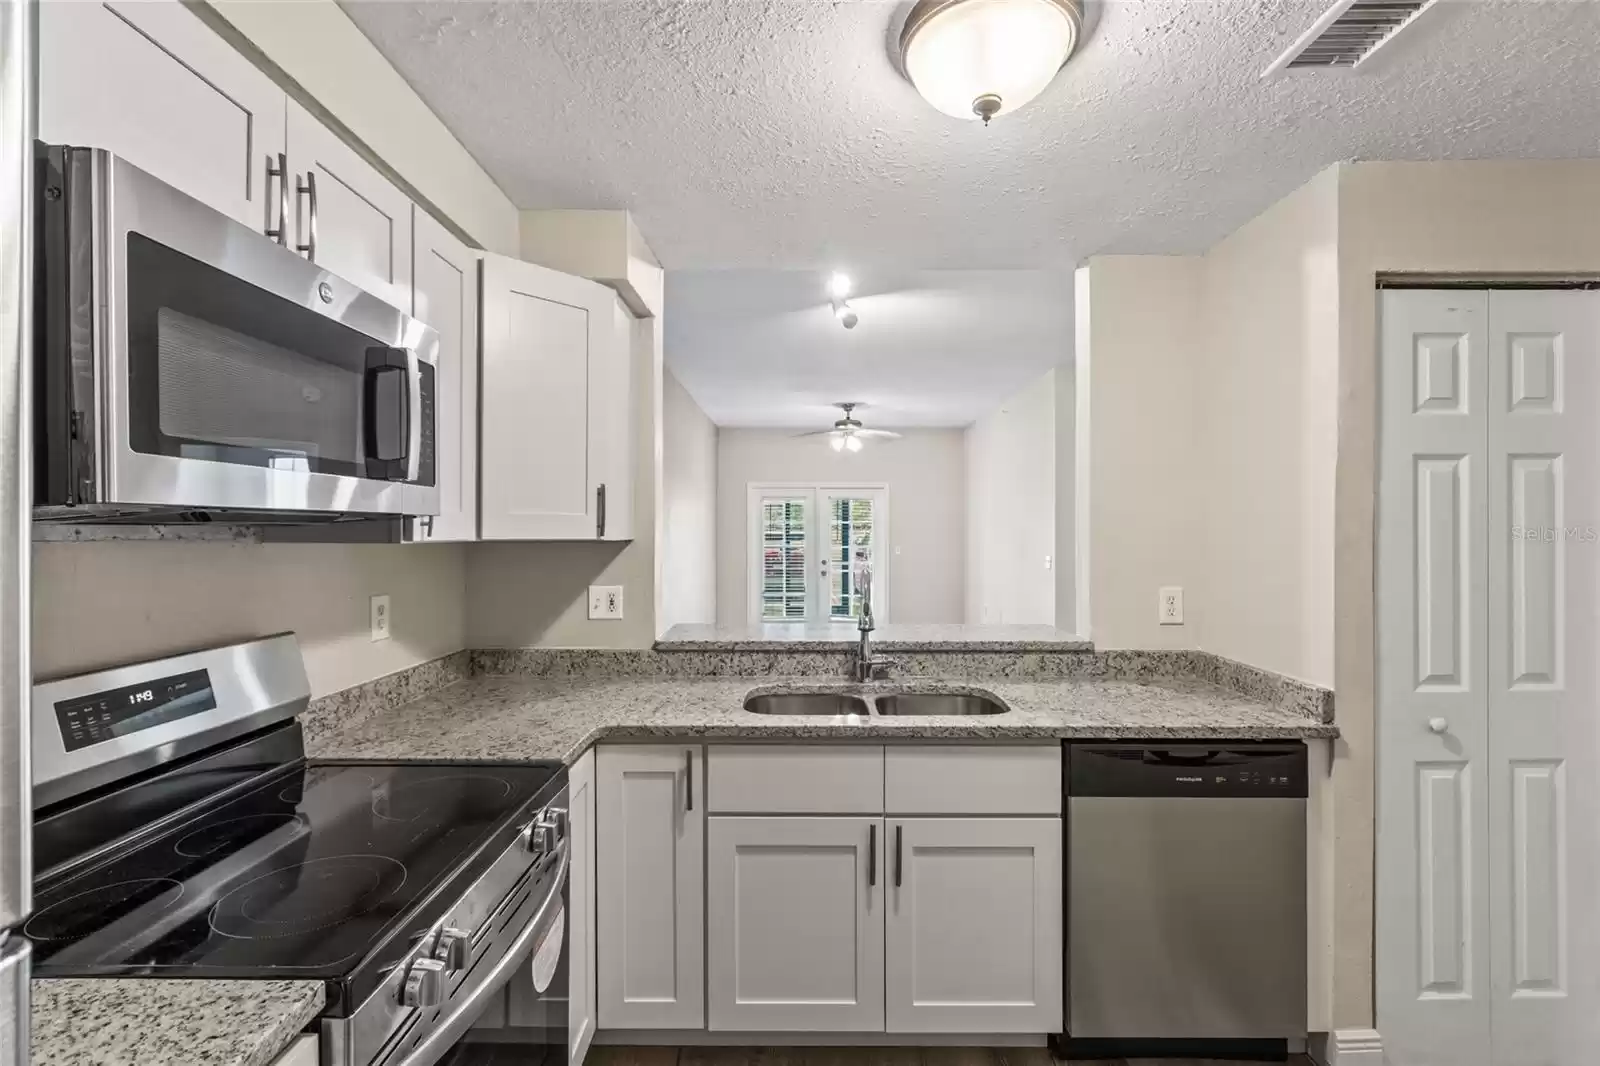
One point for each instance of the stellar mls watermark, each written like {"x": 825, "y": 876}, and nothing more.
{"x": 1552, "y": 534}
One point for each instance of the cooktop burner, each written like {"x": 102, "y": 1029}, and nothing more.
{"x": 304, "y": 875}
{"x": 69, "y": 916}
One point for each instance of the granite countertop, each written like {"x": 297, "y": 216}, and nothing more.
{"x": 890, "y": 637}
{"x": 134, "y": 1021}
{"x": 116, "y": 1021}
{"x": 517, "y": 718}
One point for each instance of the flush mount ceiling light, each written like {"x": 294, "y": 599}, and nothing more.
{"x": 982, "y": 58}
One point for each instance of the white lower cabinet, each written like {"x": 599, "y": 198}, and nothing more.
{"x": 580, "y": 909}
{"x": 650, "y": 899}
{"x": 973, "y": 934}
{"x": 828, "y": 917}
{"x": 796, "y": 938}
{"x": 305, "y": 1051}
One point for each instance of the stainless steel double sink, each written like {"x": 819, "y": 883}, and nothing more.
{"x": 890, "y": 701}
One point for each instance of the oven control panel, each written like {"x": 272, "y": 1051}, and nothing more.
{"x": 111, "y": 713}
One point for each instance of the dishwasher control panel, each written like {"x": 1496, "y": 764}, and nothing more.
{"x": 1218, "y": 769}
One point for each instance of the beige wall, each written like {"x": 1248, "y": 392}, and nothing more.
{"x": 925, "y": 472}
{"x": 1266, "y": 411}
{"x": 1486, "y": 217}
{"x": 536, "y": 595}
{"x": 1140, "y": 348}
{"x": 99, "y": 604}
{"x": 316, "y": 45}
{"x": 1011, "y": 509}
{"x": 688, "y": 509}
{"x": 1284, "y": 438}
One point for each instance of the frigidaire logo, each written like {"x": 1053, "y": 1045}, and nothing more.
{"x": 1196, "y": 780}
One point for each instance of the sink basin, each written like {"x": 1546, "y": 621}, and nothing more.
{"x": 825, "y": 703}
{"x": 939, "y": 703}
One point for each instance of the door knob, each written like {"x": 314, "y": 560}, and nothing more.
{"x": 1437, "y": 725}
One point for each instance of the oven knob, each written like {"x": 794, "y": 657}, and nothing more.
{"x": 454, "y": 949}
{"x": 535, "y": 838}
{"x": 424, "y": 984}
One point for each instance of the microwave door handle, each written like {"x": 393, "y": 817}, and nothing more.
{"x": 413, "y": 456}
{"x": 381, "y": 465}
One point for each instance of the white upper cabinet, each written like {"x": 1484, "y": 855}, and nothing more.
{"x": 348, "y": 217}
{"x": 445, "y": 288}
{"x": 555, "y": 393}
{"x": 612, "y": 438}
{"x": 796, "y": 940}
{"x": 152, "y": 83}
{"x": 974, "y": 925}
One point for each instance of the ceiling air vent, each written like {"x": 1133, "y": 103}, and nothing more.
{"x": 1346, "y": 34}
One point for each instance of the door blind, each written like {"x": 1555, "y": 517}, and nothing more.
{"x": 783, "y": 559}
{"x": 850, "y": 542}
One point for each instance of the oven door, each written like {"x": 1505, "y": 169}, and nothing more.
{"x": 220, "y": 370}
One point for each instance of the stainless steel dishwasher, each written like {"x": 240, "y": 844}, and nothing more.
{"x": 1186, "y": 894}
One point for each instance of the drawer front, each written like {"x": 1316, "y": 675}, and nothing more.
{"x": 794, "y": 779}
{"x": 972, "y": 779}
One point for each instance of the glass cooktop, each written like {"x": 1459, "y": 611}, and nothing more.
{"x": 303, "y": 876}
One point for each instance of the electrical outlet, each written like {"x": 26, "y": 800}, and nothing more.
{"x": 1170, "y": 608}
{"x": 605, "y": 602}
{"x": 378, "y": 608}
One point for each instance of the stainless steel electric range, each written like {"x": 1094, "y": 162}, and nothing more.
{"x": 181, "y": 832}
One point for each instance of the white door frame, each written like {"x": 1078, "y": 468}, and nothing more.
{"x": 816, "y": 491}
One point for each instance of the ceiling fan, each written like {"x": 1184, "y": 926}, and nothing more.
{"x": 848, "y": 433}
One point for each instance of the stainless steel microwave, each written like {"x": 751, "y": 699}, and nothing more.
{"x": 189, "y": 367}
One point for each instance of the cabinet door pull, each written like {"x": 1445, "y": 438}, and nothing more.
{"x": 281, "y": 172}
{"x": 600, "y": 511}
{"x": 688, "y": 773}
{"x": 899, "y": 853}
{"x": 308, "y": 189}
{"x": 872, "y": 855}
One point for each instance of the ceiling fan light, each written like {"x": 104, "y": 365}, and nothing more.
{"x": 853, "y": 443}
{"x": 981, "y": 58}
{"x": 836, "y": 443}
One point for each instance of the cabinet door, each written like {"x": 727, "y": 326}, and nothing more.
{"x": 612, "y": 408}
{"x": 445, "y": 296}
{"x": 544, "y": 332}
{"x": 797, "y": 944}
{"x": 974, "y": 925}
{"x": 152, "y": 83}
{"x": 580, "y": 910}
{"x": 305, "y": 1051}
{"x": 348, "y": 217}
{"x": 650, "y": 901}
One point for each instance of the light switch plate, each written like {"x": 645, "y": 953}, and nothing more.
{"x": 1169, "y": 610}
{"x": 605, "y": 602}
{"x": 378, "y": 608}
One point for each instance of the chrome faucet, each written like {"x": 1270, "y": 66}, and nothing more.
{"x": 867, "y": 668}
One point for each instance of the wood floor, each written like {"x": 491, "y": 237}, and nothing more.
{"x": 863, "y": 1056}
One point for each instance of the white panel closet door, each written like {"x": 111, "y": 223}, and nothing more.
{"x": 1432, "y": 597}
{"x": 1544, "y": 588}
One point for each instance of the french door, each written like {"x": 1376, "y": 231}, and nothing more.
{"x": 1488, "y": 815}
{"x": 809, "y": 546}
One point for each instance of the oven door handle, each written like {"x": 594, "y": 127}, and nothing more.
{"x": 448, "y": 1030}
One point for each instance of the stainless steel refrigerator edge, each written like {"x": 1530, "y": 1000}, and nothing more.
{"x": 17, "y": 116}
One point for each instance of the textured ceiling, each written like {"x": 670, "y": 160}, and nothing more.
{"x": 777, "y": 133}
{"x": 933, "y": 348}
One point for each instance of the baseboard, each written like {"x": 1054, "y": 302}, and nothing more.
{"x": 1347, "y": 1047}
{"x": 705, "y": 1038}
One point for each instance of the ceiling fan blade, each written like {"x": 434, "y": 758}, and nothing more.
{"x": 820, "y": 433}
{"x": 878, "y": 434}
